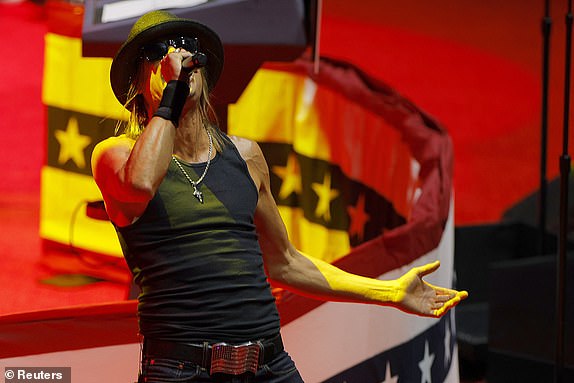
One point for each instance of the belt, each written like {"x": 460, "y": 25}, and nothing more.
{"x": 218, "y": 357}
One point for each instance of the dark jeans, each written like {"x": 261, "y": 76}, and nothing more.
{"x": 279, "y": 370}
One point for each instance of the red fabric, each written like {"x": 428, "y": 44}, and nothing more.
{"x": 66, "y": 329}
{"x": 65, "y": 18}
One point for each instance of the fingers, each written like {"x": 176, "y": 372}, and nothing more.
{"x": 172, "y": 64}
{"x": 442, "y": 298}
{"x": 462, "y": 294}
{"x": 427, "y": 269}
{"x": 442, "y": 290}
{"x": 180, "y": 52}
{"x": 176, "y": 54}
{"x": 449, "y": 304}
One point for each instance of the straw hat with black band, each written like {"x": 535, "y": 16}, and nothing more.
{"x": 155, "y": 26}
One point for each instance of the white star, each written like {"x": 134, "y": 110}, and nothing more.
{"x": 447, "y": 336}
{"x": 388, "y": 377}
{"x": 425, "y": 365}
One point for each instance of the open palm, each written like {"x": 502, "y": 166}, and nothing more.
{"x": 419, "y": 297}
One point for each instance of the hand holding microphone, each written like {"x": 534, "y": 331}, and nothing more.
{"x": 178, "y": 66}
{"x": 178, "y": 63}
{"x": 196, "y": 60}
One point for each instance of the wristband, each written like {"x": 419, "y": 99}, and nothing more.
{"x": 172, "y": 101}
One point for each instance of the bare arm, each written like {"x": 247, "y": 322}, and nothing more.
{"x": 305, "y": 275}
{"x": 129, "y": 172}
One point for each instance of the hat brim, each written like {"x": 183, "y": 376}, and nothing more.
{"x": 124, "y": 64}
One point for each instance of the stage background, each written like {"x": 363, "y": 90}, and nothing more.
{"x": 475, "y": 66}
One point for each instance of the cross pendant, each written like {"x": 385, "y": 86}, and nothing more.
{"x": 197, "y": 194}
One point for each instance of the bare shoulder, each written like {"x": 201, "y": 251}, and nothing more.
{"x": 113, "y": 144}
{"x": 247, "y": 148}
{"x": 111, "y": 150}
{"x": 253, "y": 156}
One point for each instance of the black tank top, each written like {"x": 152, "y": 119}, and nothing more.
{"x": 199, "y": 266}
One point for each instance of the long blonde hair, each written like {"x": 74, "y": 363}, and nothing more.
{"x": 139, "y": 118}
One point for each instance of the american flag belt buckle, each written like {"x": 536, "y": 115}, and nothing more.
{"x": 234, "y": 360}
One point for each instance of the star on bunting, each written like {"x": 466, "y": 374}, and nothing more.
{"x": 326, "y": 195}
{"x": 359, "y": 218}
{"x": 388, "y": 377}
{"x": 290, "y": 175}
{"x": 72, "y": 144}
{"x": 425, "y": 365}
{"x": 447, "y": 337}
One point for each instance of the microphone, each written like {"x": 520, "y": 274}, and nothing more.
{"x": 196, "y": 60}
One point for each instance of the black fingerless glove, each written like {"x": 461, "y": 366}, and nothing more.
{"x": 172, "y": 101}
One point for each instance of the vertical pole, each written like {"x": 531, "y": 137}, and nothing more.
{"x": 562, "y": 238}
{"x": 546, "y": 29}
{"x": 317, "y": 50}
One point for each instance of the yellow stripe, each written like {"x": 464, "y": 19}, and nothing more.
{"x": 75, "y": 83}
{"x": 311, "y": 238}
{"x": 63, "y": 212}
{"x": 277, "y": 106}
{"x": 63, "y": 204}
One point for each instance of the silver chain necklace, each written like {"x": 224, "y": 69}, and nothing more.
{"x": 198, "y": 194}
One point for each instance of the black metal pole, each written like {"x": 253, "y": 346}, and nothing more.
{"x": 562, "y": 238}
{"x": 546, "y": 28}
{"x": 317, "y": 44}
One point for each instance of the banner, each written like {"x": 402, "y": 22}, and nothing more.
{"x": 81, "y": 111}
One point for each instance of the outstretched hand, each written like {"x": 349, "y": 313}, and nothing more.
{"x": 416, "y": 296}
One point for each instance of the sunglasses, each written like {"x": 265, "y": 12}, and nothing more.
{"x": 158, "y": 50}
